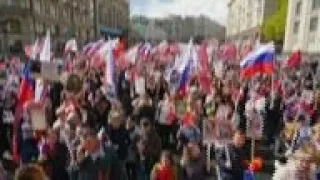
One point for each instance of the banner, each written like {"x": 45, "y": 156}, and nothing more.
{"x": 38, "y": 118}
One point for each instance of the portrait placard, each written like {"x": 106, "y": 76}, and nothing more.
{"x": 38, "y": 118}
{"x": 49, "y": 70}
{"x": 209, "y": 131}
{"x": 224, "y": 131}
{"x": 140, "y": 85}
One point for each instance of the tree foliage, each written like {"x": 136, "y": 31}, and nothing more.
{"x": 273, "y": 28}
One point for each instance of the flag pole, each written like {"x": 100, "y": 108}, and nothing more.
{"x": 250, "y": 129}
{"x": 272, "y": 82}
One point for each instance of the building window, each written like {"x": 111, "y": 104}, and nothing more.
{"x": 53, "y": 30}
{"x": 298, "y": 7}
{"x": 65, "y": 14}
{"x": 52, "y": 12}
{"x": 315, "y": 4}
{"x": 14, "y": 26}
{"x": 37, "y": 6}
{"x": 296, "y": 27}
{"x": 313, "y": 24}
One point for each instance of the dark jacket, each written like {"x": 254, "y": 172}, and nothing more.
{"x": 238, "y": 166}
{"x": 120, "y": 140}
{"x": 144, "y": 168}
{"x": 195, "y": 169}
{"x": 152, "y": 143}
{"x": 107, "y": 165}
{"x": 57, "y": 162}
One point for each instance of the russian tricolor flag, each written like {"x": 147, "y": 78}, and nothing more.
{"x": 260, "y": 60}
{"x": 184, "y": 79}
{"x": 145, "y": 51}
{"x": 26, "y": 86}
{"x": 110, "y": 73}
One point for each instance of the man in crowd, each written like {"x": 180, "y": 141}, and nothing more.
{"x": 96, "y": 161}
{"x": 231, "y": 160}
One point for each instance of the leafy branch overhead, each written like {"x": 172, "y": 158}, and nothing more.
{"x": 274, "y": 27}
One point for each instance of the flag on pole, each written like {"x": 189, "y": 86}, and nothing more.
{"x": 26, "y": 86}
{"x": 71, "y": 46}
{"x": 184, "y": 79}
{"x": 39, "y": 88}
{"x": 45, "y": 54}
{"x": 25, "y": 95}
{"x": 204, "y": 70}
{"x": 229, "y": 52}
{"x": 110, "y": 71}
{"x": 35, "y": 50}
{"x": 145, "y": 51}
{"x": 95, "y": 47}
{"x": 260, "y": 60}
{"x": 32, "y": 51}
{"x": 294, "y": 60}
{"x": 87, "y": 48}
{"x": 131, "y": 54}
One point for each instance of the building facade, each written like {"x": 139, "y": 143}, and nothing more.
{"x": 245, "y": 17}
{"x": 175, "y": 27}
{"x": 302, "y": 29}
{"x": 22, "y": 21}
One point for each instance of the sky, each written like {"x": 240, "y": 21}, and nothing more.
{"x": 215, "y": 9}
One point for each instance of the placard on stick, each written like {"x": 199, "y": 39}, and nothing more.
{"x": 209, "y": 131}
{"x": 38, "y": 118}
{"x": 49, "y": 70}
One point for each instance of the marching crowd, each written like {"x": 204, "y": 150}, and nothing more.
{"x": 157, "y": 133}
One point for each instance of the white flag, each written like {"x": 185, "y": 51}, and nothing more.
{"x": 45, "y": 54}
{"x": 35, "y": 50}
{"x": 38, "y": 90}
{"x": 131, "y": 54}
{"x": 71, "y": 45}
{"x": 110, "y": 70}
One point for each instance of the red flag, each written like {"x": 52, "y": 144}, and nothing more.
{"x": 229, "y": 52}
{"x": 204, "y": 58}
{"x": 204, "y": 73}
{"x": 25, "y": 93}
{"x": 119, "y": 50}
{"x": 294, "y": 60}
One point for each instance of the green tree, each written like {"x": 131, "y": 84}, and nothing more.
{"x": 273, "y": 28}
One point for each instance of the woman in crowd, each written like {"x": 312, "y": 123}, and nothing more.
{"x": 166, "y": 117}
{"x": 118, "y": 136}
{"x": 134, "y": 134}
{"x": 144, "y": 161}
{"x": 165, "y": 169}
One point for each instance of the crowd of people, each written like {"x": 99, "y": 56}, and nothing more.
{"x": 156, "y": 129}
